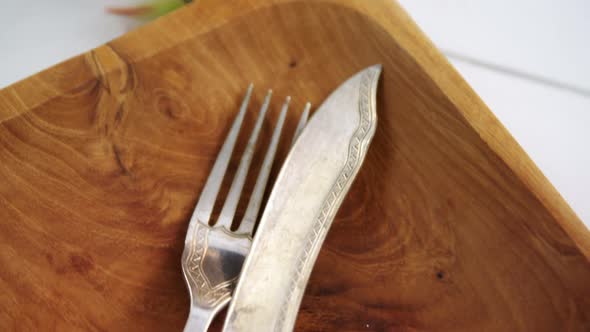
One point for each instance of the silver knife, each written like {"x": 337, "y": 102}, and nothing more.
{"x": 311, "y": 185}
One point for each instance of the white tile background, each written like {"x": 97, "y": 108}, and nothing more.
{"x": 529, "y": 60}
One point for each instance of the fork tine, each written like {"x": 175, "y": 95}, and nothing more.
{"x": 231, "y": 202}
{"x": 247, "y": 224}
{"x": 302, "y": 122}
{"x": 206, "y": 201}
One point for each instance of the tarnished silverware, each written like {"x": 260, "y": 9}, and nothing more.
{"x": 310, "y": 188}
{"x": 213, "y": 255}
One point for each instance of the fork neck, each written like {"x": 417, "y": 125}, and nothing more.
{"x": 199, "y": 319}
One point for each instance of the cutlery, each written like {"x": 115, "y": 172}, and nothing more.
{"x": 213, "y": 255}
{"x": 311, "y": 186}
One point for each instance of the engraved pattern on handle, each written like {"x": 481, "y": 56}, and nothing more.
{"x": 357, "y": 147}
{"x": 195, "y": 275}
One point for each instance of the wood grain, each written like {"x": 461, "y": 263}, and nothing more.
{"x": 449, "y": 226}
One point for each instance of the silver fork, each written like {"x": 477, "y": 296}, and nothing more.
{"x": 213, "y": 255}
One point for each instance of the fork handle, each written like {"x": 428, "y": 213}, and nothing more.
{"x": 199, "y": 319}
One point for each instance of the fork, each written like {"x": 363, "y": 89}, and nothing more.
{"x": 213, "y": 255}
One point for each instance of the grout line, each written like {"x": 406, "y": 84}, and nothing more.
{"x": 517, "y": 73}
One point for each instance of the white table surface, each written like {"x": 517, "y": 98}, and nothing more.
{"x": 528, "y": 60}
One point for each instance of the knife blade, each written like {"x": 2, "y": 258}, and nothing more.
{"x": 310, "y": 188}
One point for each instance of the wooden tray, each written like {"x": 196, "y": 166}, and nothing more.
{"x": 449, "y": 226}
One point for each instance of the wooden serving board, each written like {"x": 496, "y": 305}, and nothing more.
{"x": 449, "y": 226}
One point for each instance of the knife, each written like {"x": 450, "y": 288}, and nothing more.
{"x": 310, "y": 188}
